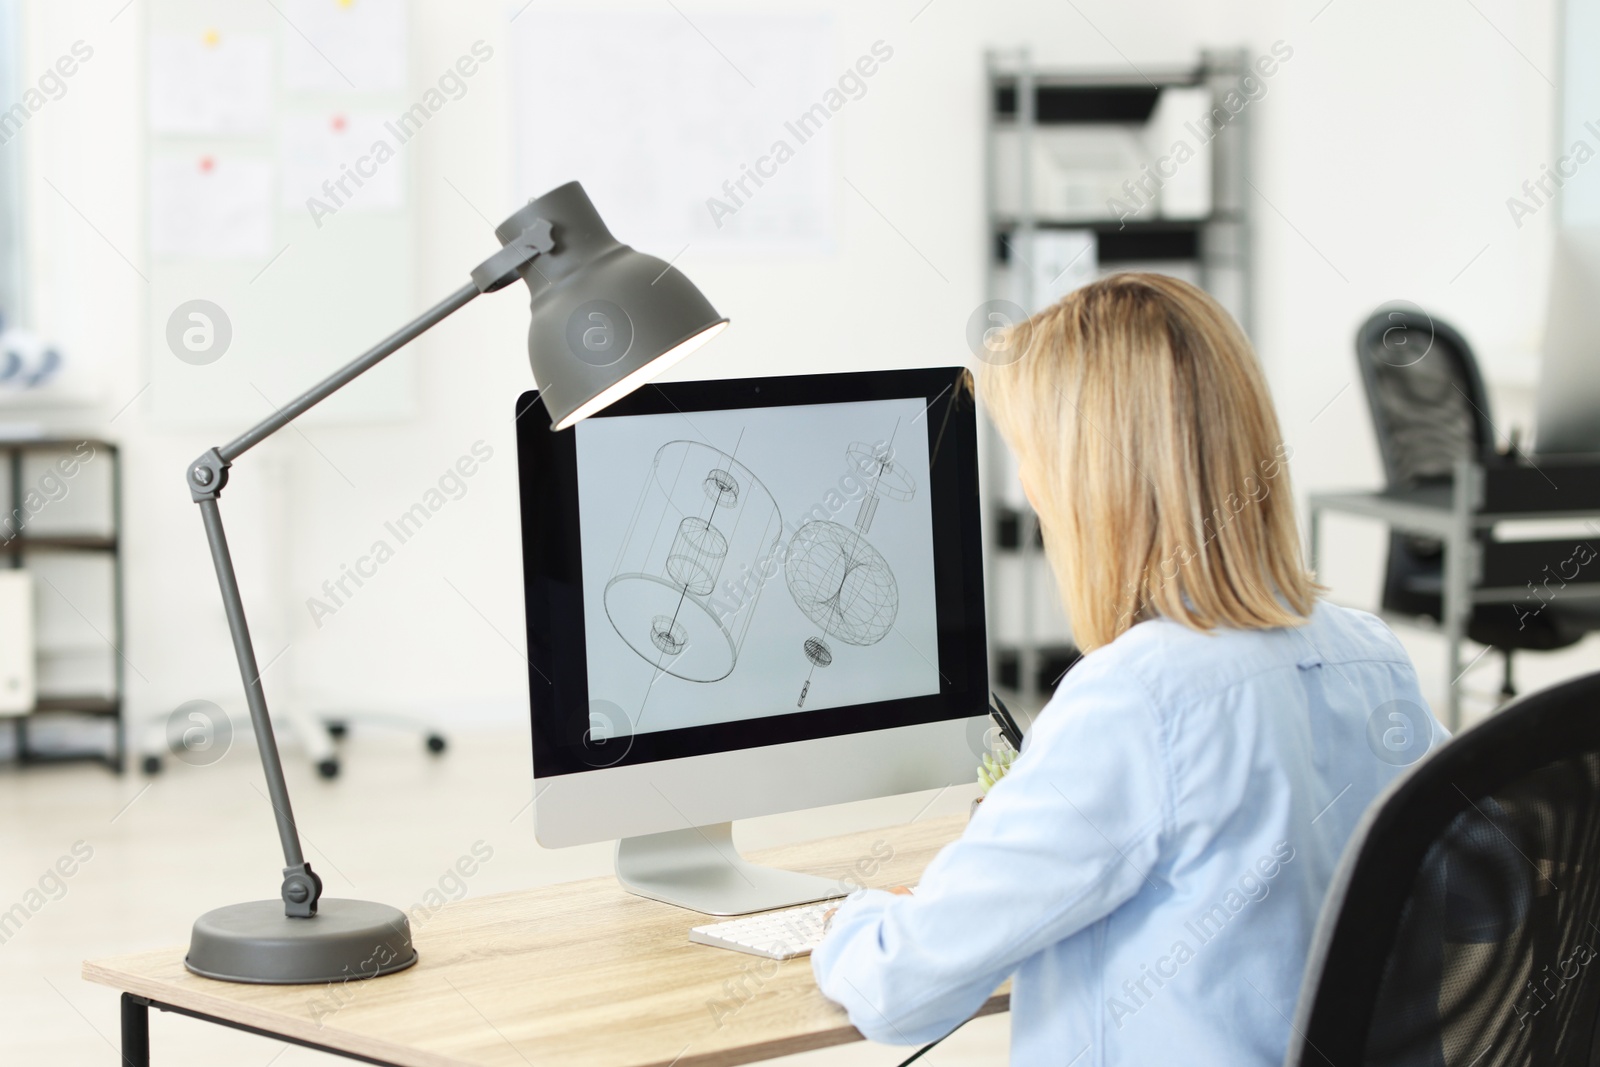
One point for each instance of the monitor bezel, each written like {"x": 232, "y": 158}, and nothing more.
{"x": 553, "y": 568}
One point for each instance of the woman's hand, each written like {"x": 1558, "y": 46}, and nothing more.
{"x": 827, "y": 917}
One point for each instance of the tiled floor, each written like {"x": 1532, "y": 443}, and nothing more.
{"x": 166, "y": 849}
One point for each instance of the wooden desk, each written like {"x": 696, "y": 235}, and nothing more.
{"x": 578, "y": 973}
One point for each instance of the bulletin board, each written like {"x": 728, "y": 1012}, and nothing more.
{"x": 281, "y": 236}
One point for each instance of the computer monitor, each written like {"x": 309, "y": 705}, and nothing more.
{"x": 1569, "y": 376}
{"x": 747, "y": 597}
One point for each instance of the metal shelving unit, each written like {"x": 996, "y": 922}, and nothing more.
{"x": 1023, "y": 101}
{"x": 15, "y": 549}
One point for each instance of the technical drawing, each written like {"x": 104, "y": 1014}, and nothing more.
{"x": 700, "y": 510}
{"x": 818, "y": 652}
{"x": 837, "y": 578}
{"x": 841, "y": 583}
{"x": 876, "y": 464}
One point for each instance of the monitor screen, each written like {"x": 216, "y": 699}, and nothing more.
{"x": 714, "y": 566}
{"x": 756, "y": 561}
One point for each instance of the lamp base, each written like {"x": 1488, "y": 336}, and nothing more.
{"x": 347, "y": 940}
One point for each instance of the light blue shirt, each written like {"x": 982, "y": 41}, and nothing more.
{"x": 1150, "y": 871}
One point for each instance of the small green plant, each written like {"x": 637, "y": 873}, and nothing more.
{"x": 996, "y": 762}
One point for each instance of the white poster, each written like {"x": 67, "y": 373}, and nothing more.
{"x": 711, "y": 131}
{"x": 344, "y": 45}
{"x": 210, "y": 83}
{"x": 742, "y": 564}
{"x": 210, "y": 207}
{"x": 344, "y": 160}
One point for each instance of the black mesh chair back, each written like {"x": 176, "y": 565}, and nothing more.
{"x": 1463, "y": 926}
{"x": 1430, "y": 410}
{"x": 1427, "y": 399}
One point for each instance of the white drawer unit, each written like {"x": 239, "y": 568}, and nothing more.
{"x": 17, "y": 646}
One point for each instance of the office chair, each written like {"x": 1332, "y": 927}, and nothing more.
{"x": 1464, "y": 920}
{"x": 1429, "y": 410}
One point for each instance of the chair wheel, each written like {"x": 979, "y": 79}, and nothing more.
{"x": 328, "y": 768}
{"x": 338, "y": 729}
{"x": 436, "y": 743}
{"x": 151, "y": 765}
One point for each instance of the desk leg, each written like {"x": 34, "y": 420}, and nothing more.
{"x": 135, "y": 1031}
{"x": 1452, "y": 658}
{"x": 1314, "y": 536}
{"x": 1460, "y": 571}
{"x": 1455, "y": 603}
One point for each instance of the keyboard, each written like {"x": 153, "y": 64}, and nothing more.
{"x": 777, "y": 935}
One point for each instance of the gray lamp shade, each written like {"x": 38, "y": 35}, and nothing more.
{"x": 606, "y": 319}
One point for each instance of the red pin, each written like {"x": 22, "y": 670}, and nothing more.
{"x": 338, "y": 124}
{"x": 207, "y": 164}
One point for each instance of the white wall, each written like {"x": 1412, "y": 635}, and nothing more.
{"x": 1385, "y": 150}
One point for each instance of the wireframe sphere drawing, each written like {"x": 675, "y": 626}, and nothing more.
{"x": 841, "y": 583}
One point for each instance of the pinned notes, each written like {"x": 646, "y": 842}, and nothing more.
{"x": 210, "y": 83}
{"x": 343, "y": 161}
{"x": 345, "y": 45}
{"x": 208, "y": 207}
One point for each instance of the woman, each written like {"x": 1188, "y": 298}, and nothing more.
{"x": 1150, "y": 871}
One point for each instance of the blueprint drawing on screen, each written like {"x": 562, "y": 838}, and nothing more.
{"x": 755, "y": 562}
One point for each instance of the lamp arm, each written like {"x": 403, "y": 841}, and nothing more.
{"x": 207, "y": 476}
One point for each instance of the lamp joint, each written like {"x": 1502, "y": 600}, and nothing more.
{"x": 503, "y": 268}
{"x": 301, "y": 891}
{"x": 206, "y": 476}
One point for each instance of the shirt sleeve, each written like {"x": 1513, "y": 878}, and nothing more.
{"x": 1071, "y": 833}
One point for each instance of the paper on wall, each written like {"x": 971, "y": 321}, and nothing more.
{"x": 344, "y": 45}
{"x": 210, "y": 83}
{"x": 346, "y": 161}
{"x": 206, "y": 207}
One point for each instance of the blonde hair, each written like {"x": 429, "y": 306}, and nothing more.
{"x": 1148, "y": 441}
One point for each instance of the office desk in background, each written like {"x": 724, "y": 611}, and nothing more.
{"x": 1457, "y": 514}
{"x": 575, "y": 973}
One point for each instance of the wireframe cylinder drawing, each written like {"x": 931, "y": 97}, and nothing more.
{"x": 697, "y": 555}
{"x": 702, "y": 542}
{"x": 875, "y": 464}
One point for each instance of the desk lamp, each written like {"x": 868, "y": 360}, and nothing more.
{"x": 606, "y": 319}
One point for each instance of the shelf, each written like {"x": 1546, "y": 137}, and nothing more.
{"x": 1117, "y": 242}
{"x": 1112, "y": 97}
{"x": 1097, "y": 223}
{"x": 1008, "y": 530}
{"x": 61, "y": 543}
{"x": 52, "y": 444}
{"x": 1101, "y": 222}
{"x": 1060, "y": 104}
{"x": 1053, "y": 124}
{"x": 83, "y": 705}
{"x": 26, "y": 541}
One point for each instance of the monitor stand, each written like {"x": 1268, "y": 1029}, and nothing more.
{"x": 699, "y": 869}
